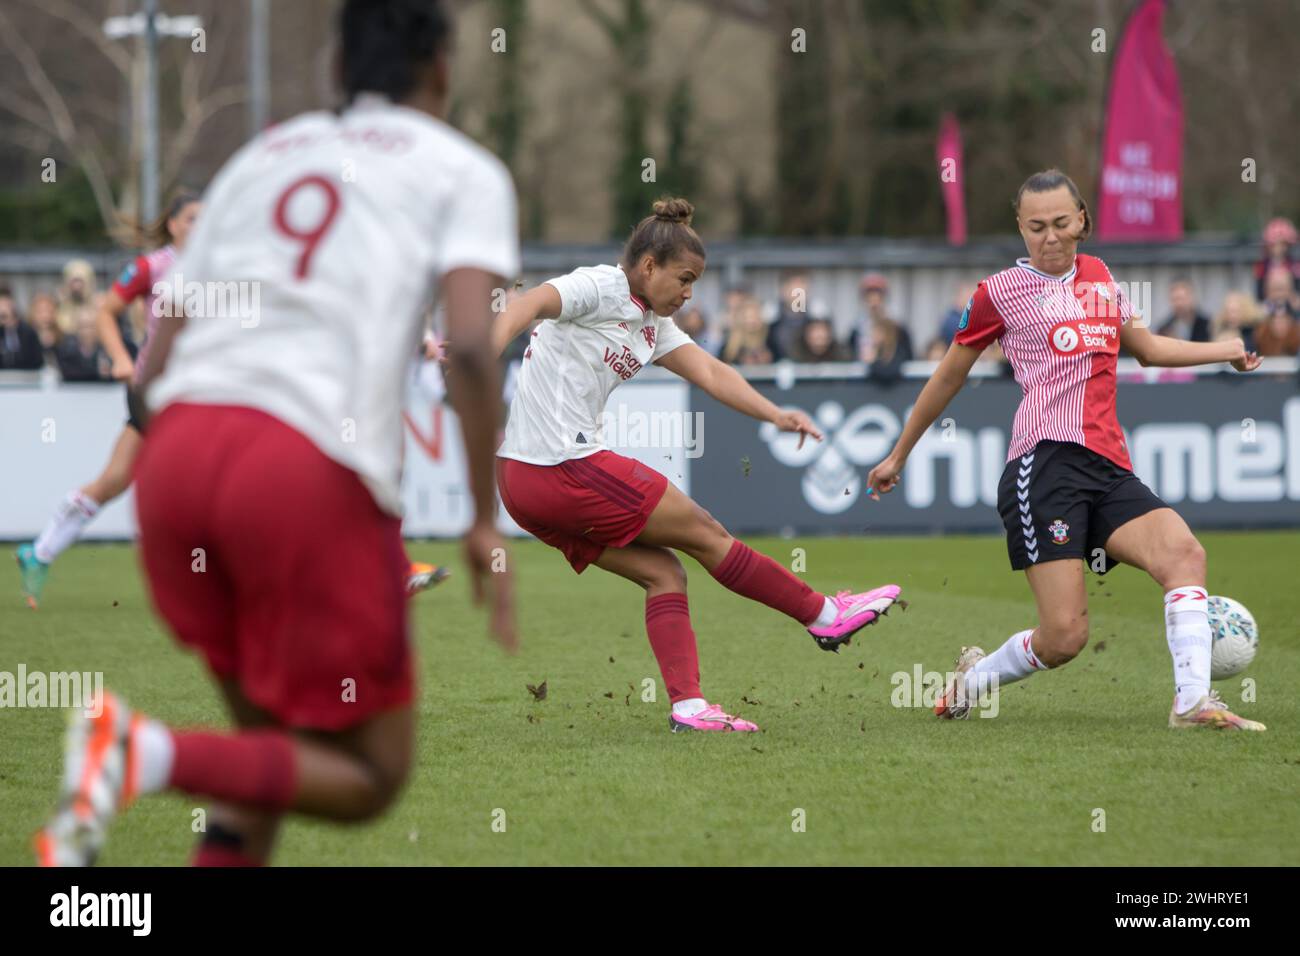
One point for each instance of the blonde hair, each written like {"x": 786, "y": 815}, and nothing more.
{"x": 1250, "y": 311}
{"x": 742, "y": 338}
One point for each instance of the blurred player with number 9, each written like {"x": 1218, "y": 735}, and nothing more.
{"x": 268, "y": 491}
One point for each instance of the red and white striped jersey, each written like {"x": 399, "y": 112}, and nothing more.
{"x": 1061, "y": 335}
{"x": 138, "y": 279}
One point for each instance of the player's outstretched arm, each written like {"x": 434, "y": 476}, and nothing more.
{"x": 475, "y": 389}
{"x": 722, "y": 382}
{"x": 1165, "y": 352}
{"x": 541, "y": 303}
{"x": 110, "y": 336}
{"x": 945, "y": 383}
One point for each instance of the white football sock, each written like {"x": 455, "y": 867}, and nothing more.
{"x": 155, "y": 750}
{"x": 72, "y": 515}
{"x": 827, "y": 616}
{"x": 1187, "y": 628}
{"x": 1015, "y": 660}
{"x": 689, "y": 707}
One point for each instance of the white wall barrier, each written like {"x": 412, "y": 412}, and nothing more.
{"x": 52, "y": 441}
{"x": 1224, "y": 450}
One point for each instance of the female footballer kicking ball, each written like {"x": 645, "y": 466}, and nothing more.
{"x": 562, "y": 485}
{"x": 80, "y": 505}
{"x": 1069, "y": 492}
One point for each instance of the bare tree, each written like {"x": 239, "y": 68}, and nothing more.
{"x": 64, "y": 66}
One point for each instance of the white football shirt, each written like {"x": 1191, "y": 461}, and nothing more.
{"x": 315, "y": 259}
{"x": 603, "y": 336}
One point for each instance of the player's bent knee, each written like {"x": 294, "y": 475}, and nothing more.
{"x": 1191, "y": 559}
{"x": 386, "y": 795}
{"x": 710, "y": 541}
{"x": 718, "y": 531}
{"x": 662, "y": 570}
{"x": 384, "y": 784}
{"x": 671, "y": 573}
{"x": 1181, "y": 562}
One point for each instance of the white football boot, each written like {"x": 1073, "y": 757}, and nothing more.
{"x": 955, "y": 705}
{"x": 98, "y": 782}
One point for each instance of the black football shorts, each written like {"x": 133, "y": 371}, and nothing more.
{"x": 136, "y": 415}
{"x": 1062, "y": 500}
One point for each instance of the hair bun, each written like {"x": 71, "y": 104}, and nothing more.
{"x": 674, "y": 210}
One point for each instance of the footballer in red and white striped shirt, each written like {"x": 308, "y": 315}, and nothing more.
{"x": 79, "y": 507}
{"x": 1068, "y": 494}
{"x": 1061, "y": 335}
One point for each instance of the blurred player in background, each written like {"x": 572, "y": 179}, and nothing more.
{"x": 268, "y": 489}
{"x": 561, "y": 484}
{"x": 81, "y": 505}
{"x": 427, "y": 381}
{"x": 168, "y": 235}
{"x": 1068, "y": 493}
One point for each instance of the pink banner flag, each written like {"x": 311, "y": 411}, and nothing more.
{"x": 952, "y": 175}
{"x": 1142, "y": 152}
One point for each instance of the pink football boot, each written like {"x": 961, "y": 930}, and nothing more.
{"x": 854, "y": 612}
{"x": 710, "y": 718}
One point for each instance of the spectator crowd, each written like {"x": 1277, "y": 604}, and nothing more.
{"x": 58, "y": 329}
{"x": 799, "y": 328}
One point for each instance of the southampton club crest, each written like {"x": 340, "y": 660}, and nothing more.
{"x": 1060, "y": 532}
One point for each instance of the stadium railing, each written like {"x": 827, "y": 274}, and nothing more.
{"x": 1129, "y": 370}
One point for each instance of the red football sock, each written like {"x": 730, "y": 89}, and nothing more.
{"x": 209, "y": 854}
{"x": 668, "y": 623}
{"x": 256, "y": 767}
{"x": 759, "y": 578}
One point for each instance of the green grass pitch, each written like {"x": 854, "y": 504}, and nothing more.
{"x": 591, "y": 774}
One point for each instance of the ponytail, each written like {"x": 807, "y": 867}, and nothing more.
{"x": 664, "y": 235}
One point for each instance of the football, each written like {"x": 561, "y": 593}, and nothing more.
{"x": 1236, "y": 637}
